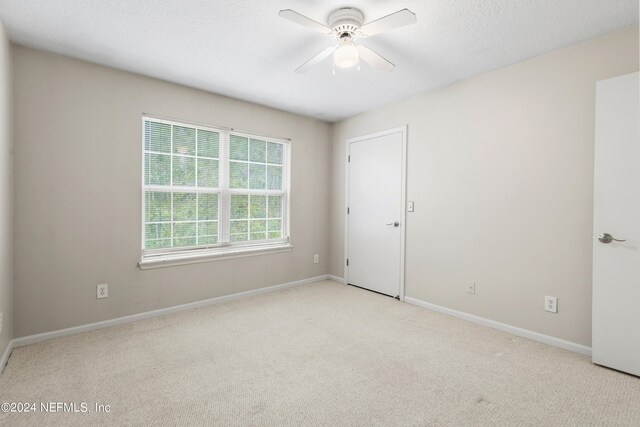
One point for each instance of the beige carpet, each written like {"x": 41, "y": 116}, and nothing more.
{"x": 322, "y": 354}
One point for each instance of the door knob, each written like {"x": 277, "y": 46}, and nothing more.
{"x": 608, "y": 238}
{"x": 395, "y": 224}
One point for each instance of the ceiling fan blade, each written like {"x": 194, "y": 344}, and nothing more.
{"x": 375, "y": 60}
{"x": 304, "y": 21}
{"x": 315, "y": 60}
{"x": 390, "y": 22}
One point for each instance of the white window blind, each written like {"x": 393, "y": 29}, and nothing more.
{"x": 208, "y": 189}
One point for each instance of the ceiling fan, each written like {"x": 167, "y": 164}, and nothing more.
{"x": 346, "y": 25}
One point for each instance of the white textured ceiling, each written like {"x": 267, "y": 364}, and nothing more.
{"x": 242, "y": 49}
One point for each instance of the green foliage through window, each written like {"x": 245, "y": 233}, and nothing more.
{"x": 185, "y": 201}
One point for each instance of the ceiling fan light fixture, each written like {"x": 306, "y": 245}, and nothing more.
{"x": 345, "y": 25}
{"x": 347, "y": 55}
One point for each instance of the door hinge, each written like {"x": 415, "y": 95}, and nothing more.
{"x": 347, "y": 211}
{"x": 347, "y": 262}
{"x": 349, "y": 158}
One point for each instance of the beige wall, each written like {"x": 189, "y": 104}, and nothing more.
{"x": 501, "y": 171}
{"x": 499, "y": 166}
{"x": 6, "y": 199}
{"x": 78, "y": 194}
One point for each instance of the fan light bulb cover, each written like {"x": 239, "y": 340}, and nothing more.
{"x": 346, "y": 56}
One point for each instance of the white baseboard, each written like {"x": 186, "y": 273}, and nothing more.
{"x": 31, "y": 339}
{"x": 5, "y": 356}
{"x": 525, "y": 333}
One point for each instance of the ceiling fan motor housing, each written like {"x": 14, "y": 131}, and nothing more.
{"x": 345, "y": 21}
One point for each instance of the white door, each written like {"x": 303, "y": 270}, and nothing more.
{"x": 616, "y": 264}
{"x": 375, "y": 219}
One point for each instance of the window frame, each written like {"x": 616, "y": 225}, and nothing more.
{"x": 224, "y": 248}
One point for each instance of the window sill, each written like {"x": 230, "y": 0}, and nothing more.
{"x": 194, "y": 257}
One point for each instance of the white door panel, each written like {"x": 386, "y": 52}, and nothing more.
{"x": 375, "y": 221}
{"x": 616, "y": 265}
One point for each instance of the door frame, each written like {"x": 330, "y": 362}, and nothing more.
{"x": 403, "y": 190}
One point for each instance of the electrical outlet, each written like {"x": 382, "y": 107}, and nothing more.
{"x": 316, "y": 258}
{"x": 410, "y": 206}
{"x": 471, "y": 287}
{"x": 551, "y": 304}
{"x": 102, "y": 291}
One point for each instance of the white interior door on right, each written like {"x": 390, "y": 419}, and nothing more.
{"x": 375, "y": 219}
{"x": 616, "y": 225}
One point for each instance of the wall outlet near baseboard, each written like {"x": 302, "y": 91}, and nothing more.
{"x": 316, "y": 259}
{"x": 551, "y": 304}
{"x": 102, "y": 291}
{"x": 471, "y": 287}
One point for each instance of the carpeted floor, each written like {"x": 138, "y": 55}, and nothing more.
{"x": 322, "y": 354}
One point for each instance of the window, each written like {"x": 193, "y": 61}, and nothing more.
{"x": 210, "y": 191}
